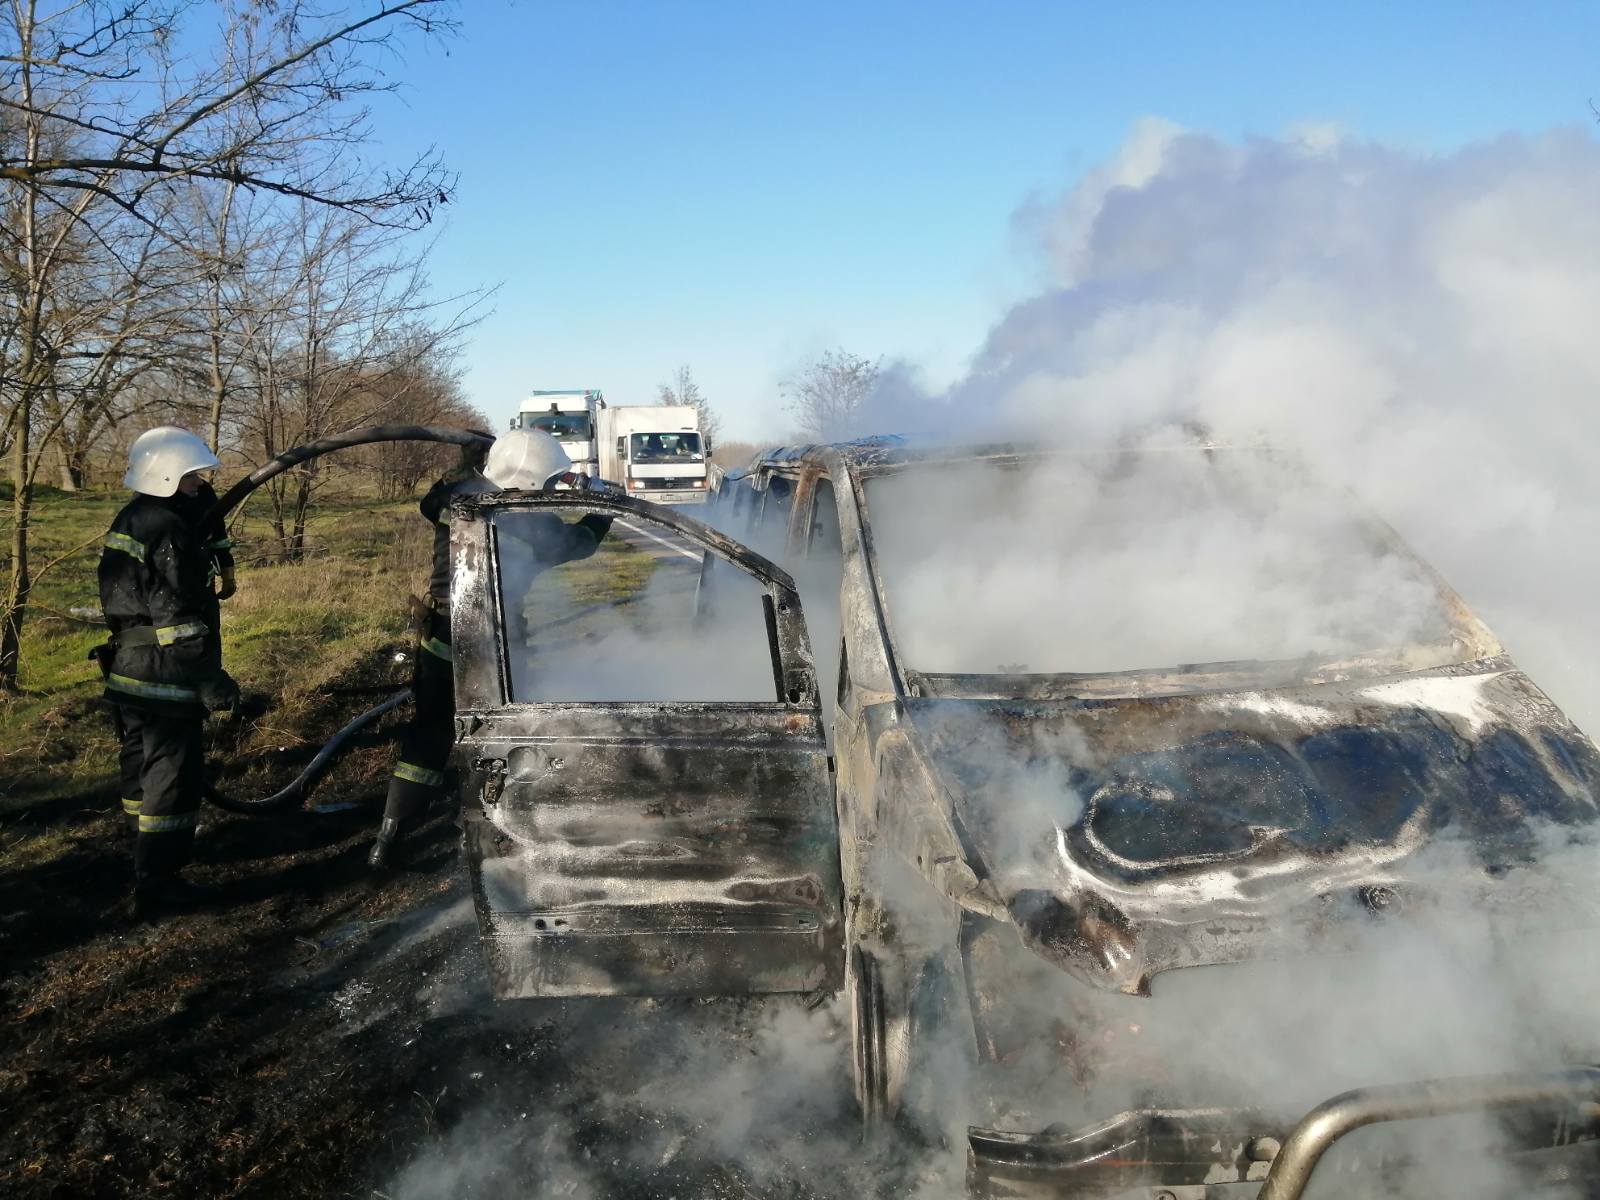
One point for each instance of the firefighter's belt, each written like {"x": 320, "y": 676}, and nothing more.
{"x": 149, "y": 635}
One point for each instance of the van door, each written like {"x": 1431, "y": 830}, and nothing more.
{"x": 647, "y": 795}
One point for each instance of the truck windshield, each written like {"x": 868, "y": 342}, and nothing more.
{"x": 565, "y": 426}
{"x": 666, "y": 447}
{"x": 1141, "y": 562}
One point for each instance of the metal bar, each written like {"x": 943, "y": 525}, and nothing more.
{"x": 1310, "y": 1139}
{"x": 636, "y": 511}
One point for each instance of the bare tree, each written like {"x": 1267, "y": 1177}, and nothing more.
{"x": 277, "y": 109}
{"x": 347, "y": 341}
{"x": 425, "y": 390}
{"x": 826, "y": 395}
{"x": 114, "y": 317}
{"x": 229, "y": 235}
{"x": 734, "y": 456}
{"x": 101, "y": 123}
{"x": 684, "y": 390}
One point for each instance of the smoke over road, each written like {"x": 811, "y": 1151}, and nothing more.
{"x": 1417, "y": 327}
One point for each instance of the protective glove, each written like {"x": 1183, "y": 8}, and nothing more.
{"x": 226, "y": 584}
{"x": 575, "y": 480}
{"x": 579, "y": 482}
{"x": 219, "y": 692}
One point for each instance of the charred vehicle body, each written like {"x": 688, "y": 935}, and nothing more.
{"x": 1122, "y": 890}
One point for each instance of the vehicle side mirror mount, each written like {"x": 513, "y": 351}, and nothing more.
{"x": 621, "y": 448}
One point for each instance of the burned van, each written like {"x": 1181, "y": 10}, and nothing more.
{"x": 1137, "y": 803}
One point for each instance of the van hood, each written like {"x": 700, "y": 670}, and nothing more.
{"x": 1130, "y": 836}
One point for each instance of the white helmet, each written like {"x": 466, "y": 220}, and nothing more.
{"x": 524, "y": 459}
{"x": 161, "y": 456}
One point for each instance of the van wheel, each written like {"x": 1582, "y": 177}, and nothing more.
{"x": 901, "y": 1026}
{"x": 868, "y": 1057}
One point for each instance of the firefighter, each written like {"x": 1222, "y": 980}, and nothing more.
{"x": 214, "y": 537}
{"x": 163, "y": 663}
{"x": 519, "y": 459}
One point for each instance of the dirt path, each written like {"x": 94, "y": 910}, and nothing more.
{"x": 319, "y": 1034}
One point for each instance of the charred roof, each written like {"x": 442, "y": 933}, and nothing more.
{"x": 894, "y": 449}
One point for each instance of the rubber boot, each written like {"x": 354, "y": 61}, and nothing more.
{"x": 384, "y": 853}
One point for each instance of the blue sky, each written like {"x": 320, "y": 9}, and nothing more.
{"x": 737, "y": 186}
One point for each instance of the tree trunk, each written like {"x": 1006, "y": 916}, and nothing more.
{"x": 219, "y": 382}
{"x": 14, "y": 605}
{"x": 280, "y": 533}
{"x": 302, "y": 503}
{"x": 219, "y": 393}
{"x": 71, "y": 466}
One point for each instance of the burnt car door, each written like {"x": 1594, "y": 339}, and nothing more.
{"x": 647, "y": 795}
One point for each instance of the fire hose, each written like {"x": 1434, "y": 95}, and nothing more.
{"x": 297, "y": 789}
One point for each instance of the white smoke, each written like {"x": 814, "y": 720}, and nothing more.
{"x": 640, "y": 620}
{"x": 1416, "y": 327}
{"x": 1155, "y": 561}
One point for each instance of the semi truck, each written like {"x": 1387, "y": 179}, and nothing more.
{"x": 571, "y": 416}
{"x": 655, "y": 452}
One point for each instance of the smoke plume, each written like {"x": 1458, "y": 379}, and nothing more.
{"x": 1415, "y": 327}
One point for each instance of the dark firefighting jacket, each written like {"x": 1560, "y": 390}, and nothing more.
{"x": 213, "y": 530}
{"x": 155, "y": 590}
{"x": 551, "y": 541}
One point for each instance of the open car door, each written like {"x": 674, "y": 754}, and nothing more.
{"x": 646, "y": 790}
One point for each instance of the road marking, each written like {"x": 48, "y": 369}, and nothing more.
{"x": 660, "y": 541}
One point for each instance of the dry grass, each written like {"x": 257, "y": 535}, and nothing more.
{"x": 290, "y": 630}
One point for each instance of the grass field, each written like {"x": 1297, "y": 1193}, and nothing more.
{"x": 291, "y": 632}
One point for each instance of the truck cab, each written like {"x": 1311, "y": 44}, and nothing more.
{"x": 571, "y": 416}
{"x": 656, "y": 452}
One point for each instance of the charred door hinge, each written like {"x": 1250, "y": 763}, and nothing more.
{"x": 494, "y": 777}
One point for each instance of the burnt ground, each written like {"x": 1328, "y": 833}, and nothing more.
{"x": 323, "y": 1033}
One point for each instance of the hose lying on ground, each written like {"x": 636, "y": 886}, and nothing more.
{"x": 296, "y": 791}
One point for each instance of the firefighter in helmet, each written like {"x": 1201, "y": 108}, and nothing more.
{"x": 520, "y": 459}
{"x": 163, "y": 663}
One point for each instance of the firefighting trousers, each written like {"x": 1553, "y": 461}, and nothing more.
{"x": 162, "y": 759}
{"x": 425, "y": 748}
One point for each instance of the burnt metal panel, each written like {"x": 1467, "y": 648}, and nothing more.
{"x": 1134, "y": 1149}
{"x": 644, "y": 848}
{"x": 1175, "y": 831}
{"x": 1153, "y": 1153}
{"x": 656, "y": 849}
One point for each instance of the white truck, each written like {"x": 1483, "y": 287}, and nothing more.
{"x": 571, "y": 416}
{"x": 655, "y": 451}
